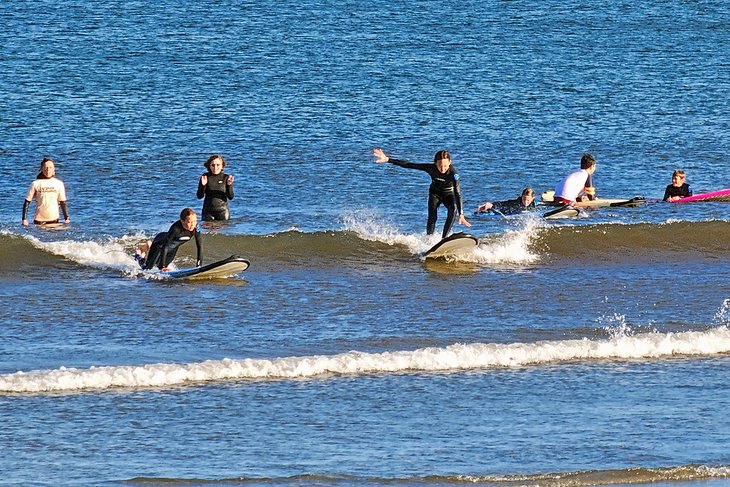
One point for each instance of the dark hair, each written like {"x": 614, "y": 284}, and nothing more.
{"x": 40, "y": 173}
{"x": 587, "y": 161}
{"x": 213, "y": 158}
{"x": 442, "y": 154}
{"x": 185, "y": 214}
{"x": 527, "y": 191}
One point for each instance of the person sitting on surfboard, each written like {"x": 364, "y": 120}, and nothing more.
{"x": 524, "y": 202}
{"x": 217, "y": 188}
{"x": 678, "y": 189}
{"x": 444, "y": 189}
{"x": 48, "y": 193}
{"x": 577, "y": 186}
{"x": 162, "y": 250}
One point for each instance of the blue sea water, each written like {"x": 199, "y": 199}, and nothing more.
{"x": 580, "y": 352}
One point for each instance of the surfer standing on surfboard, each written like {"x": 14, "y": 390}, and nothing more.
{"x": 48, "y": 193}
{"x": 678, "y": 189}
{"x": 444, "y": 189}
{"x": 577, "y": 186}
{"x": 162, "y": 250}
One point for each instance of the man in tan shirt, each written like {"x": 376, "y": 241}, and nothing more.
{"x": 48, "y": 193}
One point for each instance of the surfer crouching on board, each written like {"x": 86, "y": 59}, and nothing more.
{"x": 48, "y": 193}
{"x": 444, "y": 189}
{"x": 162, "y": 250}
{"x": 525, "y": 202}
{"x": 577, "y": 186}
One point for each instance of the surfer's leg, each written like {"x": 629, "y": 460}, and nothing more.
{"x": 433, "y": 203}
{"x": 450, "y": 205}
{"x": 155, "y": 251}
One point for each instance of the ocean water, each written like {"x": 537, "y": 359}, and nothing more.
{"x": 589, "y": 351}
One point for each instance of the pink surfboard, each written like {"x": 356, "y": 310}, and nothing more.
{"x": 721, "y": 195}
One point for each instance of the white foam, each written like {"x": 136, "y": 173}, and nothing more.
{"x": 451, "y": 358}
{"x": 512, "y": 247}
{"x": 109, "y": 254}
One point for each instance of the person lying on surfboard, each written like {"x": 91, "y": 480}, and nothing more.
{"x": 678, "y": 189}
{"x": 444, "y": 189}
{"x": 162, "y": 250}
{"x": 524, "y": 202}
{"x": 577, "y": 186}
{"x": 48, "y": 192}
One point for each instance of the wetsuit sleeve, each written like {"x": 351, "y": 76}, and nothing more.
{"x": 410, "y": 165}
{"x": 64, "y": 209}
{"x": 589, "y": 188}
{"x": 229, "y": 189}
{"x": 200, "y": 248}
{"x": 457, "y": 194}
{"x": 666, "y": 193}
{"x": 26, "y": 204}
{"x": 201, "y": 190}
{"x": 507, "y": 207}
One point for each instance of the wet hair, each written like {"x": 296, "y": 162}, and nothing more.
{"x": 186, "y": 213}
{"x": 679, "y": 172}
{"x": 587, "y": 161}
{"x": 212, "y": 158}
{"x": 527, "y": 191}
{"x": 442, "y": 154}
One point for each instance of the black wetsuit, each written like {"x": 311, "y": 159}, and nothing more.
{"x": 164, "y": 247}
{"x": 511, "y": 207}
{"x": 681, "y": 191}
{"x": 444, "y": 190}
{"x": 217, "y": 193}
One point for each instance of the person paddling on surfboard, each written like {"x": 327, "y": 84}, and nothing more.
{"x": 48, "y": 193}
{"x": 577, "y": 186}
{"x": 444, "y": 189}
{"x": 525, "y": 202}
{"x": 217, "y": 188}
{"x": 162, "y": 250}
{"x": 678, "y": 189}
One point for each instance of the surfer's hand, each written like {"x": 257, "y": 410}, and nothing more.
{"x": 198, "y": 263}
{"x": 204, "y": 180}
{"x": 462, "y": 220}
{"x": 67, "y": 221}
{"x": 165, "y": 269}
{"x": 229, "y": 181}
{"x": 485, "y": 207}
{"x": 25, "y": 223}
{"x": 380, "y": 156}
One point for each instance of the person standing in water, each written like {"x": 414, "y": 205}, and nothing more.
{"x": 444, "y": 189}
{"x": 217, "y": 188}
{"x": 48, "y": 192}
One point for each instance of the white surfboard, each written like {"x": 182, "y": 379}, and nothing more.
{"x": 547, "y": 197}
{"x": 217, "y": 270}
{"x": 562, "y": 212}
{"x": 455, "y": 244}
